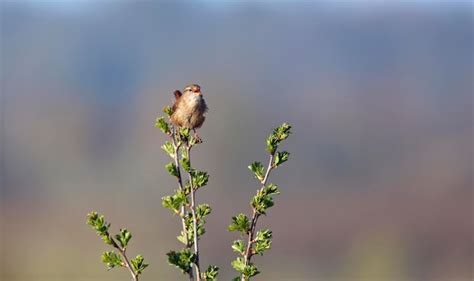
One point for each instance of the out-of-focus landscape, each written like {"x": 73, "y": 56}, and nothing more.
{"x": 379, "y": 184}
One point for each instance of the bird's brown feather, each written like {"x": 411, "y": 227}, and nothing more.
{"x": 186, "y": 113}
{"x": 177, "y": 94}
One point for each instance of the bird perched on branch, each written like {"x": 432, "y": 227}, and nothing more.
{"x": 189, "y": 108}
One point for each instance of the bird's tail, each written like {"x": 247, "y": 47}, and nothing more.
{"x": 177, "y": 94}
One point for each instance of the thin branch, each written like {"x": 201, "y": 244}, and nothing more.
{"x": 122, "y": 252}
{"x": 195, "y": 224}
{"x": 128, "y": 265}
{"x": 255, "y": 215}
{"x": 269, "y": 168}
{"x": 180, "y": 183}
{"x": 176, "y": 161}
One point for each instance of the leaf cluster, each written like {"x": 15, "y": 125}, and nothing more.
{"x": 280, "y": 158}
{"x": 264, "y": 198}
{"x": 199, "y": 178}
{"x": 202, "y": 210}
{"x": 175, "y": 202}
{"x": 247, "y": 270}
{"x": 100, "y": 225}
{"x": 258, "y": 170}
{"x": 111, "y": 259}
{"x": 163, "y": 125}
{"x": 138, "y": 264}
{"x": 182, "y": 259}
{"x": 123, "y": 237}
{"x": 260, "y": 241}
{"x": 184, "y": 136}
{"x": 172, "y": 169}
{"x": 278, "y": 135}
{"x": 168, "y": 148}
{"x": 211, "y": 273}
{"x": 240, "y": 223}
{"x": 168, "y": 110}
{"x": 121, "y": 241}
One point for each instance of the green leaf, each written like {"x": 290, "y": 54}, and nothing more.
{"x": 92, "y": 219}
{"x": 138, "y": 264}
{"x": 283, "y": 132}
{"x": 188, "y": 222}
{"x": 123, "y": 237}
{"x": 186, "y": 164}
{"x": 168, "y": 110}
{"x": 175, "y": 201}
{"x": 187, "y": 187}
{"x": 172, "y": 169}
{"x": 183, "y": 135}
{"x": 98, "y": 223}
{"x": 262, "y": 246}
{"x": 262, "y": 241}
{"x": 271, "y": 189}
{"x": 182, "y": 238}
{"x": 257, "y": 168}
{"x": 168, "y": 148}
{"x": 106, "y": 238}
{"x": 163, "y": 125}
{"x": 238, "y": 246}
{"x": 240, "y": 223}
{"x": 280, "y": 158}
{"x": 261, "y": 203}
{"x": 211, "y": 273}
{"x": 247, "y": 270}
{"x": 278, "y": 135}
{"x": 182, "y": 259}
{"x": 272, "y": 144}
{"x": 200, "y": 178}
{"x": 203, "y": 210}
{"x": 111, "y": 259}
{"x": 263, "y": 199}
{"x": 184, "y": 153}
{"x": 239, "y": 264}
{"x": 200, "y": 229}
{"x": 251, "y": 270}
{"x": 264, "y": 234}
{"x": 189, "y": 232}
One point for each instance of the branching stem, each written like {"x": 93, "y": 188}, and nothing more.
{"x": 255, "y": 215}
{"x": 195, "y": 224}
{"x": 128, "y": 265}
{"x": 182, "y": 214}
{"x": 123, "y": 253}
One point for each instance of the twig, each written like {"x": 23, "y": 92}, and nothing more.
{"x": 180, "y": 183}
{"x": 195, "y": 224}
{"x": 122, "y": 252}
{"x": 255, "y": 215}
{"x": 128, "y": 265}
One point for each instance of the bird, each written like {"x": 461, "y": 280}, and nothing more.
{"x": 189, "y": 108}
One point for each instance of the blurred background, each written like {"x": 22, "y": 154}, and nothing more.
{"x": 379, "y": 184}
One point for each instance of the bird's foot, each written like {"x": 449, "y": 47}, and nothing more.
{"x": 197, "y": 138}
